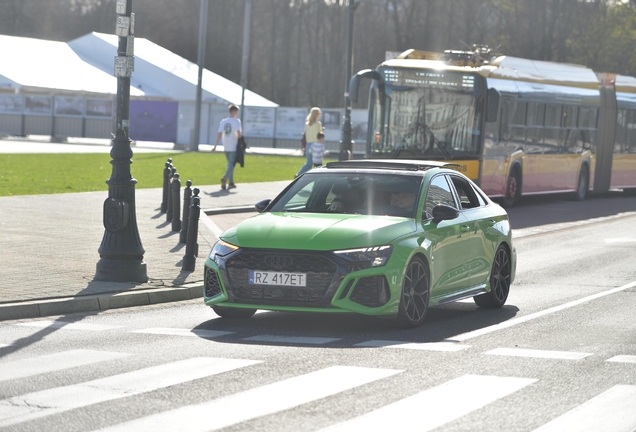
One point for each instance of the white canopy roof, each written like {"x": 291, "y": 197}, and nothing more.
{"x": 47, "y": 64}
{"x": 159, "y": 72}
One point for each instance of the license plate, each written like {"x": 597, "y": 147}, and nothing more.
{"x": 277, "y": 278}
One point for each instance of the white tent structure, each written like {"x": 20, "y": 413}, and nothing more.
{"x": 40, "y": 65}
{"x": 162, "y": 73}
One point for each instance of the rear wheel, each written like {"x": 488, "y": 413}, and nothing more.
{"x": 233, "y": 313}
{"x": 499, "y": 281}
{"x": 513, "y": 188}
{"x": 415, "y": 295}
{"x": 583, "y": 185}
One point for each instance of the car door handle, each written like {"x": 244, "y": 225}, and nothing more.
{"x": 464, "y": 228}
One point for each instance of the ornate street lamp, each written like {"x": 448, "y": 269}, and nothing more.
{"x": 121, "y": 253}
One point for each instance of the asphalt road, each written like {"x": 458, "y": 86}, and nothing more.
{"x": 561, "y": 355}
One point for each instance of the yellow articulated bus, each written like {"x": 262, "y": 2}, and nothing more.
{"x": 515, "y": 126}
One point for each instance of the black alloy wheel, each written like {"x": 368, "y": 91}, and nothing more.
{"x": 233, "y": 313}
{"x": 415, "y": 295}
{"x": 499, "y": 281}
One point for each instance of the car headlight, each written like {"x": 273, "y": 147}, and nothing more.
{"x": 222, "y": 248}
{"x": 367, "y": 257}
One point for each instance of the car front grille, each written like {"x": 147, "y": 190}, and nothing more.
{"x": 322, "y": 277}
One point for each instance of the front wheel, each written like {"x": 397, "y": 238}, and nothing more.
{"x": 415, "y": 295}
{"x": 233, "y": 313}
{"x": 499, "y": 281}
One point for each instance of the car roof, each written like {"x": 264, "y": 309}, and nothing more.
{"x": 391, "y": 164}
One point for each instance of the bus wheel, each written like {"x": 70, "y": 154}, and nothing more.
{"x": 583, "y": 185}
{"x": 513, "y": 188}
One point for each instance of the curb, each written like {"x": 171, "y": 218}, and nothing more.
{"x": 228, "y": 210}
{"x": 101, "y": 302}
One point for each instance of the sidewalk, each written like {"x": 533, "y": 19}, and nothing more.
{"x": 48, "y": 250}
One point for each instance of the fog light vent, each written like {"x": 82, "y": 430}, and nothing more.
{"x": 212, "y": 284}
{"x": 371, "y": 291}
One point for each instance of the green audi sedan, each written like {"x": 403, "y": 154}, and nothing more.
{"x": 388, "y": 238}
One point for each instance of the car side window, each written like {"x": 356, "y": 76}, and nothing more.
{"x": 468, "y": 198}
{"x": 439, "y": 192}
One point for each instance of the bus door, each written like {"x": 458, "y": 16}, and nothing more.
{"x": 550, "y": 165}
{"x": 534, "y": 147}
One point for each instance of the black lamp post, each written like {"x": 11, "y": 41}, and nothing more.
{"x": 346, "y": 149}
{"x": 121, "y": 253}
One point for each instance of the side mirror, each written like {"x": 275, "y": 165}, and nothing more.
{"x": 262, "y": 205}
{"x": 354, "y": 82}
{"x": 444, "y": 212}
{"x": 492, "y": 107}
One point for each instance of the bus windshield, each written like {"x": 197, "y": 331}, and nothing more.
{"x": 426, "y": 118}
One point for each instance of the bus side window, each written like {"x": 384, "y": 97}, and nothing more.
{"x": 630, "y": 146}
{"x": 621, "y": 131}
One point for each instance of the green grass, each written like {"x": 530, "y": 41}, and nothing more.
{"x": 31, "y": 174}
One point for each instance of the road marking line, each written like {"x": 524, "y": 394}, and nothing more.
{"x": 208, "y": 334}
{"x": 258, "y": 402}
{"x": 2, "y": 345}
{"x": 520, "y": 352}
{"x": 63, "y": 325}
{"x": 623, "y": 359}
{"x": 515, "y": 321}
{"x": 620, "y": 240}
{"x": 46, "y": 402}
{"x": 54, "y": 362}
{"x": 437, "y": 406}
{"x": 211, "y": 226}
{"x": 611, "y": 411}
{"x": 292, "y": 339}
{"x": 426, "y": 346}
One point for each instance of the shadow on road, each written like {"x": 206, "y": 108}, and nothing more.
{"x": 558, "y": 208}
{"x": 441, "y": 323}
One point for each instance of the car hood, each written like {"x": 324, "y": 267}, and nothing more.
{"x": 312, "y": 231}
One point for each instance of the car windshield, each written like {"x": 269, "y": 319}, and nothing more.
{"x": 352, "y": 193}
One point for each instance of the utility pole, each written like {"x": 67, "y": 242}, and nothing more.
{"x": 245, "y": 59}
{"x": 203, "y": 27}
{"x": 121, "y": 252}
{"x": 346, "y": 149}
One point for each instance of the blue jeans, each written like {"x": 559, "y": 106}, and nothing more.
{"x": 308, "y": 163}
{"x": 231, "y": 160}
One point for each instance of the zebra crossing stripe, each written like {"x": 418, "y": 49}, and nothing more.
{"x": 63, "y": 325}
{"x": 291, "y": 339}
{"x": 46, "y": 402}
{"x": 54, "y": 362}
{"x": 437, "y": 406}
{"x": 207, "y": 334}
{"x": 516, "y": 321}
{"x": 519, "y": 352}
{"x": 258, "y": 402}
{"x": 623, "y": 359}
{"x": 427, "y": 346}
{"x": 4, "y": 345}
{"x": 611, "y": 411}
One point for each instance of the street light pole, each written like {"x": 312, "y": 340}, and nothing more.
{"x": 121, "y": 252}
{"x": 346, "y": 149}
{"x": 203, "y": 27}
{"x": 247, "y": 23}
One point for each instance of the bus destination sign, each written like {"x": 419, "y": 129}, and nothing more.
{"x": 428, "y": 78}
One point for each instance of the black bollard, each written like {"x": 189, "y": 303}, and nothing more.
{"x": 192, "y": 247}
{"x": 176, "y": 202}
{"x": 173, "y": 170}
{"x": 187, "y": 193}
{"x": 166, "y": 186}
